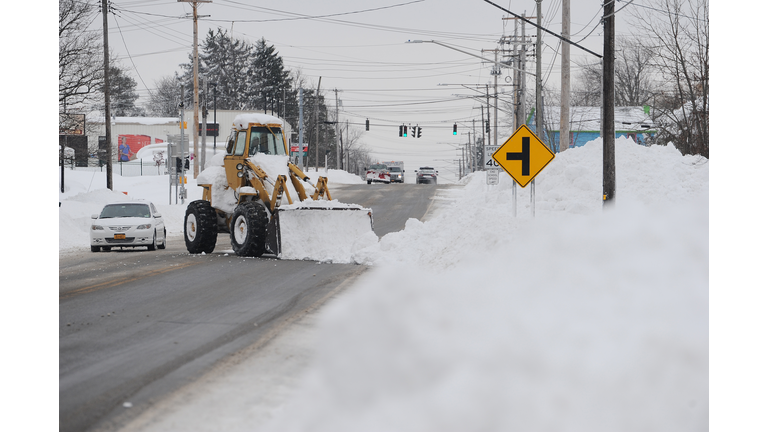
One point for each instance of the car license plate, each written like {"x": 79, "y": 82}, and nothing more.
{"x": 119, "y": 236}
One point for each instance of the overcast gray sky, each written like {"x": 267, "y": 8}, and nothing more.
{"x": 359, "y": 48}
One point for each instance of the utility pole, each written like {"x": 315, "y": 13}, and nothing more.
{"x": 107, "y": 118}
{"x": 519, "y": 76}
{"x": 338, "y": 137}
{"x": 609, "y": 128}
{"x": 539, "y": 101}
{"x": 204, "y": 131}
{"x": 317, "y": 127}
{"x": 565, "y": 84}
{"x": 301, "y": 128}
{"x": 196, "y": 89}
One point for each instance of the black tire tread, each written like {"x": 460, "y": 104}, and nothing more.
{"x": 256, "y": 218}
{"x": 207, "y": 232}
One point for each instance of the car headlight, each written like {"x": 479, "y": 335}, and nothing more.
{"x": 97, "y": 227}
{"x": 143, "y": 227}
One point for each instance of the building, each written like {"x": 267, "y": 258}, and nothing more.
{"x": 131, "y": 134}
{"x": 632, "y": 122}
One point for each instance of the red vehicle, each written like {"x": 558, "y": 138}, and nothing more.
{"x": 378, "y": 173}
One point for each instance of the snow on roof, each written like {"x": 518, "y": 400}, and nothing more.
{"x": 242, "y": 120}
{"x": 586, "y": 118}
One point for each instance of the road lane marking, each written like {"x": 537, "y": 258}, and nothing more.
{"x": 113, "y": 283}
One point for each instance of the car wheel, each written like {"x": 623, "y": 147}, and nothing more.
{"x": 248, "y": 232}
{"x": 153, "y": 246}
{"x": 200, "y": 230}
{"x": 165, "y": 240}
{"x": 369, "y": 182}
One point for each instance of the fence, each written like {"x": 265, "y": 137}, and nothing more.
{"x": 124, "y": 169}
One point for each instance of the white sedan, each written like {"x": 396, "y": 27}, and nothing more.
{"x": 127, "y": 224}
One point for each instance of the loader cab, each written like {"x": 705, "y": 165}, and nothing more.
{"x": 266, "y": 139}
{"x": 242, "y": 144}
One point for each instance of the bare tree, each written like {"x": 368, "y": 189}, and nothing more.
{"x": 164, "y": 99}
{"x": 680, "y": 48}
{"x": 632, "y": 77}
{"x": 81, "y": 68}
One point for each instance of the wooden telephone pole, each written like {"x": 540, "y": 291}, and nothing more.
{"x": 107, "y": 118}
{"x": 609, "y": 128}
{"x": 195, "y": 85}
{"x": 565, "y": 83}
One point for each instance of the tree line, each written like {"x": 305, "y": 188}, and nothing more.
{"x": 667, "y": 68}
{"x": 244, "y": 76}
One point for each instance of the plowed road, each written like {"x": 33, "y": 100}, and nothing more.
{"x": 135, "y": 325}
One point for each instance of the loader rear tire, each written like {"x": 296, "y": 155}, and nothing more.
{"x": 248, "y": 232}
{"x": 200, "y": 229}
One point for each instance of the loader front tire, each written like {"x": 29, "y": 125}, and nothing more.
{"x": 200, "y": 230}
{"x": 248, "y": 231}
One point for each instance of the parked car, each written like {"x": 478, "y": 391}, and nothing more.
{"x": 426, "y": 175}
{"x": 377, "y": 173}
{"x": 130, "y": 224}
{"x": 396, "y": 174}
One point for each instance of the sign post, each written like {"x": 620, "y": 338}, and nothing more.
{"x": 523, "y": 156}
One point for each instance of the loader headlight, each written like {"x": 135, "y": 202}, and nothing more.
{"x": 240, "y": 174}
{"x": 239, "y": 166}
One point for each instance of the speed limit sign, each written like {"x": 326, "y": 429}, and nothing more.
{"x": 488, "y": 162}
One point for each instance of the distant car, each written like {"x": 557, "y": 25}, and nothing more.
{"x": 426, "y": 175}
{"x": 377, "y": 173}
{"x": 128, "y": 224}
{"x": 396, "y": 174}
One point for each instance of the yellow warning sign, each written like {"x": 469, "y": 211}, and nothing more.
{"x": 523, "y": 155}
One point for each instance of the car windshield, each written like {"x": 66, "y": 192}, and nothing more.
{"x": 395, "y": 169}
{"x": 125, "y": 210}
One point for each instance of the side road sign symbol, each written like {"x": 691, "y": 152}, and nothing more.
{"x": 523, "y": 156}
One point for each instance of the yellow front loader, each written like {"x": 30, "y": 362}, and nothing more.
{"x": 267, "y": 204}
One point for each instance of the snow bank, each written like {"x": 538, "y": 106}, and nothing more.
{"x": 580, "y": 319}
{"x": 86, "y": 193}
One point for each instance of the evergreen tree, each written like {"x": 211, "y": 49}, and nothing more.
{"x": 270, "y": 79}
{"x": 122, "y": 93}
{"x": 223, "y": 60}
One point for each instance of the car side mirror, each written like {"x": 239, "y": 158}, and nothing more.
{"x": 94, "y": 216}
{"x": 157, "y": 215}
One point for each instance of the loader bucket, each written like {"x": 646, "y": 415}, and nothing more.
{"x": 326, "y": 231}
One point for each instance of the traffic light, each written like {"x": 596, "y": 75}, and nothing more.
{"x": 413, "y": 131}
{"x": 487, "y": 126}
{"x": 405, "y": 131}
{"x": 454, "y": 128}
{"x": 418, "y": 132}
{"x": 400, "y": 133}
{"x": 367, "y": 125}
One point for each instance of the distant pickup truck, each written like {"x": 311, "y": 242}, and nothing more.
{"x": 396, "y": 171}
{"x": 378, "y": 173}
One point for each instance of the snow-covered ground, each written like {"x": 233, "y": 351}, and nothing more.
{"x": 580, "y": 319}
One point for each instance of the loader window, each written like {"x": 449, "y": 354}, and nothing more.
{"x": 268, "y": 140}
{"x": 240, "y": 145}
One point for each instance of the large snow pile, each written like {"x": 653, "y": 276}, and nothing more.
{"x": 580, "y": 319}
